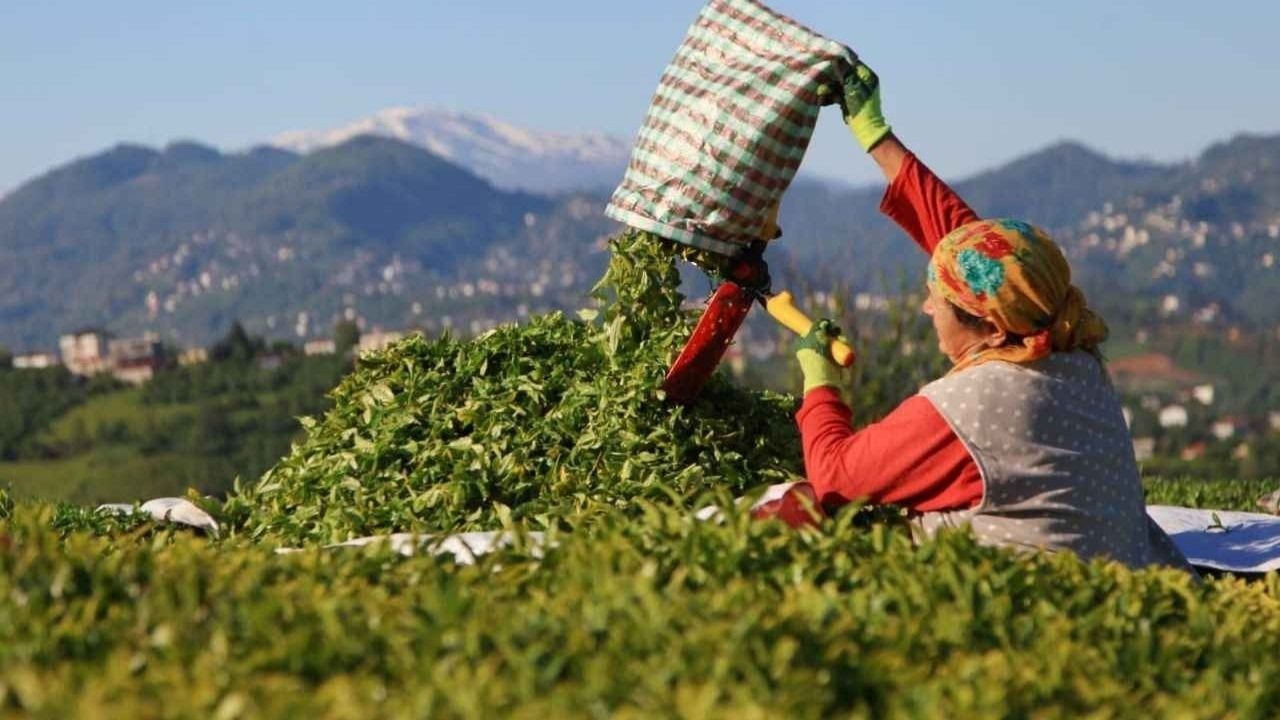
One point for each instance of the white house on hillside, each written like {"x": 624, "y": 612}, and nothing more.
{"x": 1173, "y": 416}
{"x": 324, "y": 346}
{"x": 193, "y": 356}
{"x": 85, "y": 352}
{"x": 1225, "y": 428}
{"x": 35, "y": 361}
{"x": 134, "y": 360}
{"x": 378, "y": 340}
{"x": 1203, "y": 393}
{"x": 1144, "y": 448}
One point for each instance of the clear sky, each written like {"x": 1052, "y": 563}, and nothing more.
{"x": 967, "y": 84}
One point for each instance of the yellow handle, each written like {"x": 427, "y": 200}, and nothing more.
{"x": 783, "y": 309}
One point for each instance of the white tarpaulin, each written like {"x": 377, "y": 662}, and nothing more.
{"x": 1219, "y": 539}
{"x": 464, "y": 547}
{"x": 1234, "y": 541}
{"x": 177, "y": 510}
{"x": 773, "y": 493}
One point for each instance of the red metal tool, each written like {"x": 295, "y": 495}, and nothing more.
{"x": 748, "y": 282}
{"x": 725, "y": 313}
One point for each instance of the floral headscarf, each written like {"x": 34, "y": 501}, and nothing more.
{"x": 1015, "y": 276}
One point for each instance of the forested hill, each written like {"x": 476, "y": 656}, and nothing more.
{"x": 185, "y": 239}
{"x": 1164, "y": 242}
{"x": 1054, "y": 187}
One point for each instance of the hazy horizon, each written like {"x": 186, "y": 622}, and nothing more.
{"x": 968, "y": 88}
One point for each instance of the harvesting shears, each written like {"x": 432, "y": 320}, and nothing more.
{"x": 746, "y": 282}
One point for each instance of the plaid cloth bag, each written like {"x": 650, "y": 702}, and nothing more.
{"x": 728, "y": 126}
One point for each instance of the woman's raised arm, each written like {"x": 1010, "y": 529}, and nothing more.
{"x": 889, "y": 154}
{"x": 922, "y": 205}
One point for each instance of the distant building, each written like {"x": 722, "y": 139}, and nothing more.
{"x": 85, "y": 351}
{"x": 1151, "y": 371}
{"x": 1144, "y": 448}
{"x": 1194, "y": 451}
{"x": 35, "y": 361}
{"x": 193, "y": 356}
{"x": 1173, "y": 416}
{"x": 325, "y": 346}
{"x": 1223, "y": 429}
{"x": 1274, "y": 419}
{"x": 735, "y": 360}
{"x": 134, "y": 360}
{"x": 1203, "y": 393}
{"x": 1207, "y": 314}
{"x": 378, "y": 340}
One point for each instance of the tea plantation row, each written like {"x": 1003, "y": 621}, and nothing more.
{"x": 651, "y": 613}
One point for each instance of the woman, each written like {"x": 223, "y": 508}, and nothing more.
{"x": 1024, "y": 439}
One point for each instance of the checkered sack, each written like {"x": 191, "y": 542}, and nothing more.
{"x": 728, "y": 126}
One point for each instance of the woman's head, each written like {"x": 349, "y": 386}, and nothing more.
{"x": 959, "y": 333}
{"x": 1015, "y": 281}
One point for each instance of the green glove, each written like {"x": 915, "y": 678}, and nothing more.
{"x": 861, "y": 105}
{"x": 813, "y": 352}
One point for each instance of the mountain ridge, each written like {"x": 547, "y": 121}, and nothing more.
{"x": 183, "y": 239}
{"x": 509, "y": 156}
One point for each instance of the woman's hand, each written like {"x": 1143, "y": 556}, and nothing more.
{"x": 861, "y": 105}
{"x": 860, "y": 102}
{"x": 813, "y": 352}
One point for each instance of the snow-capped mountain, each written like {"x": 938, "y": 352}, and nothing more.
{"x": 508, "y": 156}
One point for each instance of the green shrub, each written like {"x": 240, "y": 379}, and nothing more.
{"x": 1219, "y": 494}
{"x": 647, "y": 613}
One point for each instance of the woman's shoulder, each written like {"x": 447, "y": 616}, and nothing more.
{"x": 998, "y": 375}
{"x": 973, "y": 375}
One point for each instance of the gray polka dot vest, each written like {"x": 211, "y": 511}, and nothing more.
{"x": 1056, "y": 459}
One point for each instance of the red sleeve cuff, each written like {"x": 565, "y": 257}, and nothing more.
{"x": 824, "y": 395}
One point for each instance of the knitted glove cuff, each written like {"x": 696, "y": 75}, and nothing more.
{"x": 868, "y": 124}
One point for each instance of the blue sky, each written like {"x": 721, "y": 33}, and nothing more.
{"x": 968, "y": 85}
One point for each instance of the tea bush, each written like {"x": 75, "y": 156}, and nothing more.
{"x": 1222, "y": 494}
{"x": 647, "y": 613}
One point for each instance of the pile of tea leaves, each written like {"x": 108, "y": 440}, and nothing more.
{"x": 532, "y": 423}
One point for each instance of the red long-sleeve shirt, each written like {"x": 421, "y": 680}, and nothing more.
{"x": 911, "y": 457}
